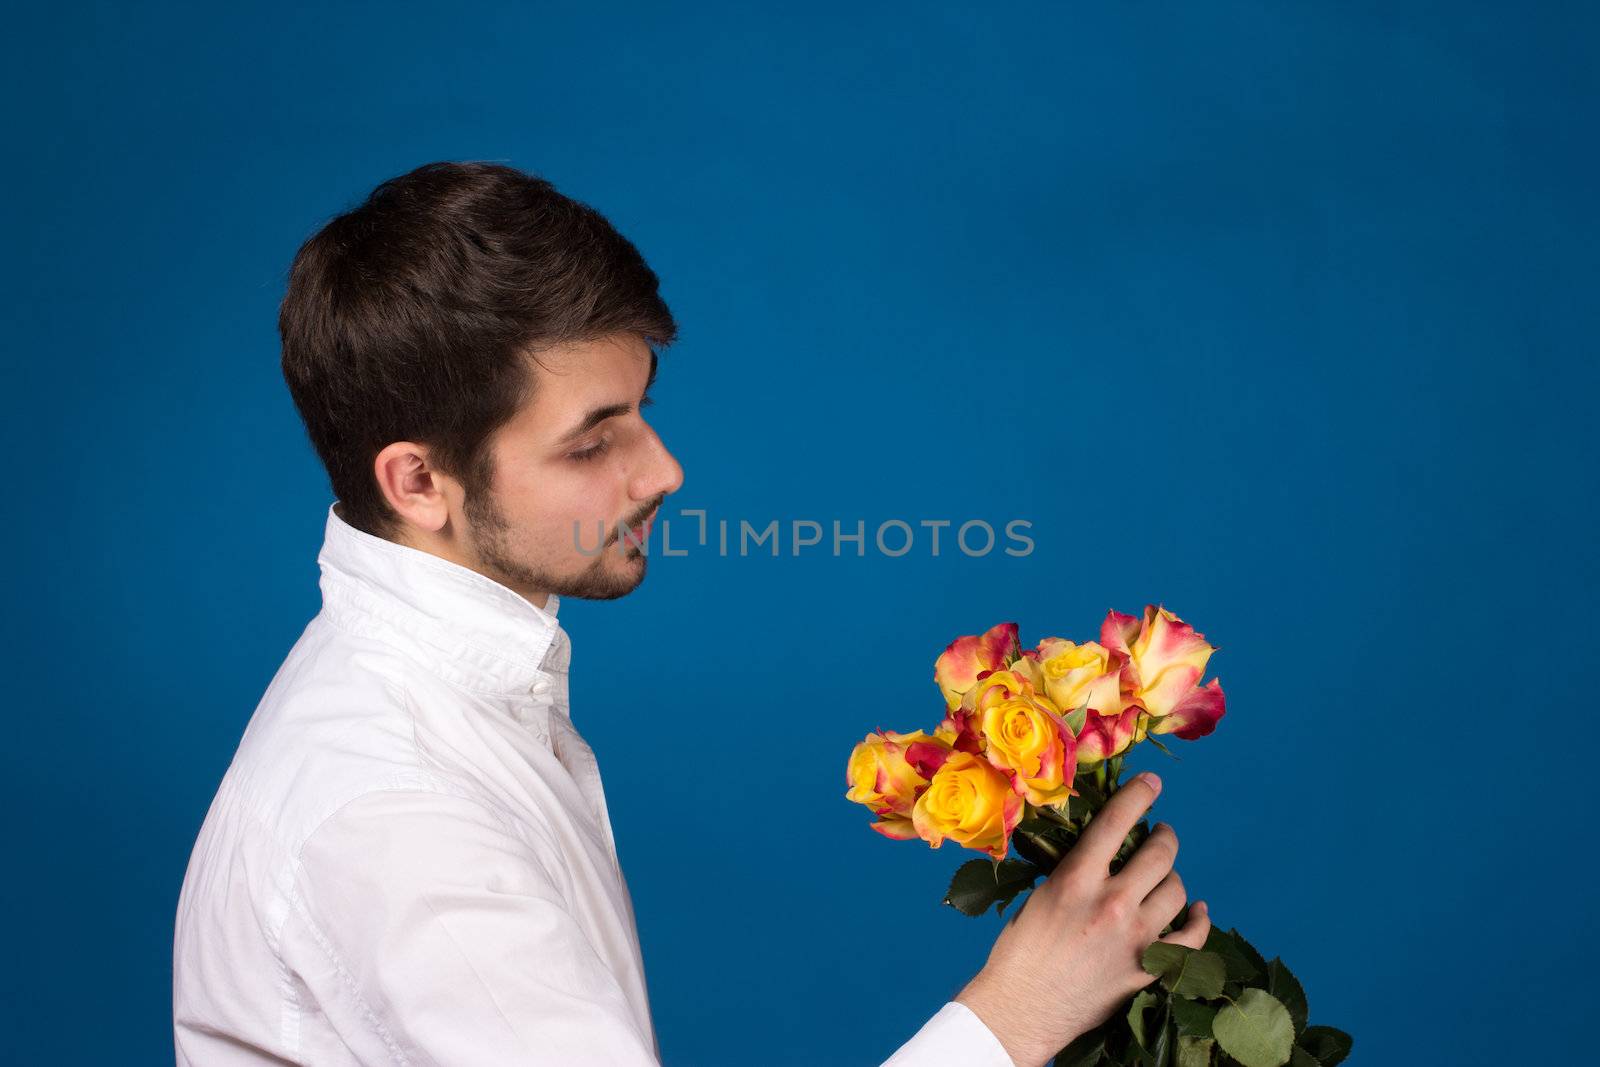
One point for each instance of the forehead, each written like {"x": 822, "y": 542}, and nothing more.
{"x": 568, "y": 381}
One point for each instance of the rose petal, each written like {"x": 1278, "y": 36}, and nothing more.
{"x": 897, "y": 829}
{"x": 958, "y": 667}
{"x": 1118, "y": 632}
{"x": 926, "y": 757}
{"x": 1196, "y": 715}
{"x": 1169, "y": 658}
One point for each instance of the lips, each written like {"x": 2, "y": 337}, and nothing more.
{"x": 638, "y": 535}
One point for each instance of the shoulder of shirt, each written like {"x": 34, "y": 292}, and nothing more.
{"x": 335, "y": 724}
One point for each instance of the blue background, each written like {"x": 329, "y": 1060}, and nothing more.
{"x": 1282, "y": 315}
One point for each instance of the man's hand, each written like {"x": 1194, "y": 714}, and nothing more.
{"x": 1071, "y": 955}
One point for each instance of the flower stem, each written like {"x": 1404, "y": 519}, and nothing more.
{"x": 1054, "y": 815}
{"x": 1046, "y": 846}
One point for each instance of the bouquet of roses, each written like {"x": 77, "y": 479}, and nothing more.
{"x": 1030, "y": 749}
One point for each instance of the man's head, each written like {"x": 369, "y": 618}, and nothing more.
{"x": 470, "y": 351}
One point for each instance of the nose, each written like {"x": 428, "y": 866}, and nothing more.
{"x": 661, "y": 475}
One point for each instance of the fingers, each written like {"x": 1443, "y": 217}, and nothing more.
{"x": 1164, "y": 902}
{"x": 1194, "y": 932}
{"x": 1105, "y": 832}
{"x": 1149, "y": 863}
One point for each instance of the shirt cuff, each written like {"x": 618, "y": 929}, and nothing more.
{"x": 955, "y": 1037}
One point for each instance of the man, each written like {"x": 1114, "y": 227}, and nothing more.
{"x": 410, "y": 859}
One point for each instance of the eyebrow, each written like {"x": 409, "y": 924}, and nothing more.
{"x": 598, "y": 415}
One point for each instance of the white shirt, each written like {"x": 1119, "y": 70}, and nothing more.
{"x": 409, "y": 860}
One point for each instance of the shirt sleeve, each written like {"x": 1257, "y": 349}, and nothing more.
{"x": 448, "y": 941}
{"x": 954, "y": 1037}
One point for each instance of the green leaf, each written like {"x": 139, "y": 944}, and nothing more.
{"x": 1153, "y": 1040}
{"x": 1282, "y": 984}
{"x": 1142, "y": 1002}
{"x": 1090, "y": 798}
{"x": 1047, "y": 823}
{"x": 1240, "y": 957}
{"x": 1255, "y": 1029}
{"x": 1185, "y": 971}
{"x": 1194, "y": 1017}
{"x": 1152, "y": 739}
{"x": 1032, "y": 824}
{"x": 1299, "y": 1057}
{"x": 1001, "y": 910}
{"x": 1125, "y": 1054}
{"x": 1329, "y": 1045}
{"x": 1077, "y": 718}
{"x": 1086, "y": 1050}
{"x": 979, "y": 883}
{"x": 1161, "y": 1044}
{"x": 1089, "y": 1049}
{"x": 1256, "y": 959}
{"x": 1193, "y": 1051}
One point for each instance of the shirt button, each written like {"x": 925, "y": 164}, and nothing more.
{"x": 540, "y": 687}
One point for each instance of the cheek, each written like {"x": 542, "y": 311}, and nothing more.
{"x": 541, "y": 516}
{"x": 575, "y": 505}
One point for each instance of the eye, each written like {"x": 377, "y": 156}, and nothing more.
{"x": 646, "y": 401}
{"x": 593, "y": 452}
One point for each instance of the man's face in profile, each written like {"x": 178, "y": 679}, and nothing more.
{"x": 572, "y": 466}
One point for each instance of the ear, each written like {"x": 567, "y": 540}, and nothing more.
{"x": 419, "y": 494}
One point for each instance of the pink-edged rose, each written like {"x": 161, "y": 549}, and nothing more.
{"x": 964, "y": 659}
{"x": 1104, "y": 736}
{"x": 1196, "y": 715}
{"x": 1164, "y": 659}
{"x": 880, "y": 776}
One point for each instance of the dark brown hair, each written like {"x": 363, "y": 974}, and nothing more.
{"x": 413, "y": 316}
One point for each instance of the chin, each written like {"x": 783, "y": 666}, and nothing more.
{"x": 615, "y": 580}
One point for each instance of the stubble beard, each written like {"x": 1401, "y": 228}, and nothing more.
{"x": 492, "y": 539}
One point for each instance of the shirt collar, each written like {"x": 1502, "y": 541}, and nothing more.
{"x": 467, "y": 627}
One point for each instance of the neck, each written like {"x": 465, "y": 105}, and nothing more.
{"x": 445, "y": 547}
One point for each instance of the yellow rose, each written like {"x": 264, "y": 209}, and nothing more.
{"x": 994, "y": 687}
{"x": 879, "y": 776}
{"x": 971, "y": 802}
{"x": 1030, "y": 740}
{"x": 964, "y": 722}
{"x": 1028, "y": 667}
{"x": 1075, "y": 674}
